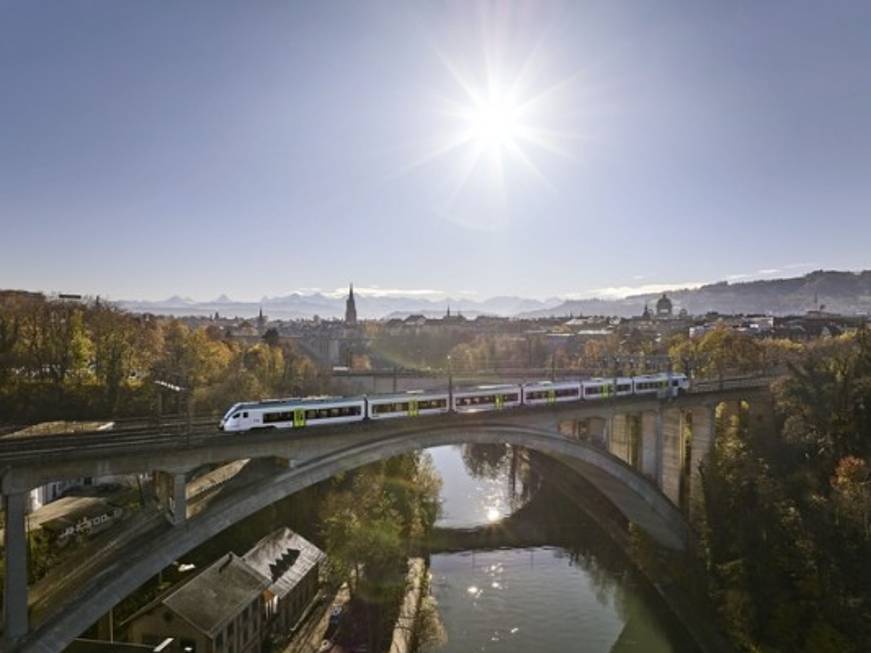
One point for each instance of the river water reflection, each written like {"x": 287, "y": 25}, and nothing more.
{"x": 575, "y": 593}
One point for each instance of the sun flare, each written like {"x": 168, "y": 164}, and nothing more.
{"x": 494, "y": 122}
{"x": 497, "y": 122}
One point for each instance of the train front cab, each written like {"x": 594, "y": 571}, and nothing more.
{"x": 238, "y": 418}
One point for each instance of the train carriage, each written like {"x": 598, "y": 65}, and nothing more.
{"x": 408, "y": 404}
{"x": 311, "y": 411}
{"x": 487, "y": 397}
{"x": 659, "y": 384}
{"x": 606, "y": 388}
{"x": 538, "y": 393}
{"x": 294, "y": 413}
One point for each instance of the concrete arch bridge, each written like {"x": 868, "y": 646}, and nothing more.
{"x": 642, "y": 454}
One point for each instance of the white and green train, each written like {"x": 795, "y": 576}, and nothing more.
{"x": 311, "y": 411}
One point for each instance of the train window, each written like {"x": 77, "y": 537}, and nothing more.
{"x": 235, "y": 416}
{"x": 332, "y": 412}
{"x": 245, "y": 414}
{"x": 269, "y": 418}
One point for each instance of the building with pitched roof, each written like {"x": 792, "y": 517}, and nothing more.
{"x": 292, "y": 564}
{"x": 218, "y": 611}
{"x": 236, "y": 603}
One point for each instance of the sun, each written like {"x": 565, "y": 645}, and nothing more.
{"x": 500, "y": 122}
{"x": 496, "y": 125}
{"x": 494, "y": 122}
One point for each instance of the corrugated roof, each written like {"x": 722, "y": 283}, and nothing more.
{"x": 285, "y": 558}
{"x": 217, "y": 594}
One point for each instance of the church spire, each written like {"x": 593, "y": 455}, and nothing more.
{"x": 351, "y": 307}
{"x": 261, "y": 320}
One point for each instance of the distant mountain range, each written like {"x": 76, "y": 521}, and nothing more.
{"x": 841, "y": 292}
{"x": 838, "y": 292}
{"x": 297, "y": 305}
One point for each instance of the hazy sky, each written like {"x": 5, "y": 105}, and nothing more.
{"x": 541, "y": 148}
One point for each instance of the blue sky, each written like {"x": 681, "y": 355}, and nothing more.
{"x": 199, "y": 148}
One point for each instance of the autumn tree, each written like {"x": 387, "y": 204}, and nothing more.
{"x": 55, "y": 344}
{"x": 851, "y": 485}
{"x": 368, "y": 524}
{"x": 122, "y": 348}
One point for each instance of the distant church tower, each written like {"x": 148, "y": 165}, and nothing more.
{"x": 261, "y": 321}
{"x": 351, "y": 308}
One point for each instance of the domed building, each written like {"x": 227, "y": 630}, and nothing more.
{"x": 664, "y": 306}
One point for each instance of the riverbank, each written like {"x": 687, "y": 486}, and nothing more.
{"x": 665, "y": 571}
{"x": 404, "y": 630}
{"x": 312, "y": 632}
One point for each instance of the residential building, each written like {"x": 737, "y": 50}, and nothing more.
{"x": 292, "y": 564}
{"x": 218, "y": 611}
{"x": 235, "y": 604}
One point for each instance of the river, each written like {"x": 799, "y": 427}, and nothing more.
{"x": 571, "y": 591}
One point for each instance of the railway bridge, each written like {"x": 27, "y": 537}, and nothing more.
{"x": 641, "y": 453}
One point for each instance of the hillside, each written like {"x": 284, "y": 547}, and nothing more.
{"x": 840, "y": 292}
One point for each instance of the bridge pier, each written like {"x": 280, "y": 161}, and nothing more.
{"x": 15, "y": 566}
{"x": 171, "y": 491}
{"x": 760, "y": 415}
{"x": 651, "y": 433}
{"x": 599, "y": 431}
{"x": 671, "y": 459}
{"x": 704, "y": 420}
{"x": 627, "y": 440}
{"x": 730, "y": 415}
{"x": 619, "y": 441}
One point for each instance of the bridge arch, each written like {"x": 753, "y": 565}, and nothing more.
{"x": 634, "y": 495}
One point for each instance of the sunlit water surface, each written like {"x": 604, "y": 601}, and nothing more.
{"x": 518, "y": 600}
{"x": 468, "y": 500}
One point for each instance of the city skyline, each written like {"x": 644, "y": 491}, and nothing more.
{"x": 536, "y": 150}
{"x": 611, "y": 293}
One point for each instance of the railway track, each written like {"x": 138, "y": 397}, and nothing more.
{"x": 19, "y": 448}
{"x": 138, "y": 433}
